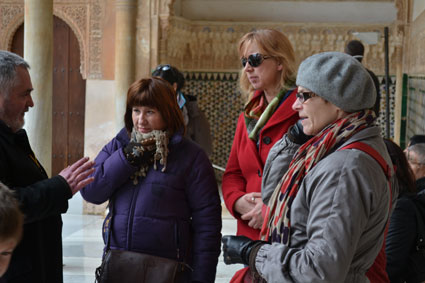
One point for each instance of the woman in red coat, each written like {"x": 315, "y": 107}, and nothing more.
{"x": 268, "y": 80}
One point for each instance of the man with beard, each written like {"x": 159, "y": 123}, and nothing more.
{"x": 38, "y": 257}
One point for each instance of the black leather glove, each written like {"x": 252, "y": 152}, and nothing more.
{"x": 137, "y": 154}
{"x": 237, "y": 249}
{"x": 296, "y": 133}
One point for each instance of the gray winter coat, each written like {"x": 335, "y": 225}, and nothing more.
{"x": 338, "y": 217}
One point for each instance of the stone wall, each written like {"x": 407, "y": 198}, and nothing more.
{"x": 213, "y": 46}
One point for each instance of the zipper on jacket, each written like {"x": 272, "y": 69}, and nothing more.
{"x": 177, "y": 242}
{"x": 177, "y": 239}
{"x": 131, "y": 217}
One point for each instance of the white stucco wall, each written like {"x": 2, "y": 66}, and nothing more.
{"x": 99, "y": 119}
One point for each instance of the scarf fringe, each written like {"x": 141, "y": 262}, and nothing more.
{"x": 160, "y": 139}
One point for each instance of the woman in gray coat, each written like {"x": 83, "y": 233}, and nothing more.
{"x": 327, "y": 215}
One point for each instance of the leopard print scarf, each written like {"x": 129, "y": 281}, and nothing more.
{"x": 155, "y": 139}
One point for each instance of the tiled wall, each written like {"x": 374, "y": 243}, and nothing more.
{"x": 382, "y": 113}
{"x": 219, "y": 97}
{"x": 415, "y": 106}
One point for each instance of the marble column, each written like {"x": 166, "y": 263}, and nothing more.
{"x": 125, "y": 55}
{"x": 38, "y": 51}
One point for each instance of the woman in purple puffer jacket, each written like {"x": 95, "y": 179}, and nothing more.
{"x": 162, "y": 186}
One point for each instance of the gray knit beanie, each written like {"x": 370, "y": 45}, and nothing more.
{"x": 340, "y": 79}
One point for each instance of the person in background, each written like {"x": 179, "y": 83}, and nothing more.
{"x": 327, "y": 217}
{"x": 38, "y": 256}
{"x": 11, "y": 222}
{"x": 161, "y": 185}
{"x": 197, "y": 126}
{"x": 267, "y": 78}
{"x": 416, "y": 139}
{"x": 416, "y": 158}
{"x": 400, "y": 247}
{"x": 356, "y": 49}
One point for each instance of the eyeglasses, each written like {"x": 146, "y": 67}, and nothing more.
{"x": 254, "y": 60}
{"x": 304, "y": 96}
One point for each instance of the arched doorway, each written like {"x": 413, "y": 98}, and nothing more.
{"x": 69, "y": 88}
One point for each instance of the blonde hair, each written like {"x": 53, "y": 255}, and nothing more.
{"x": 272, "y": 43}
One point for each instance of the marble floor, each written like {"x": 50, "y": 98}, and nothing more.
{"x": 82, "y": 245}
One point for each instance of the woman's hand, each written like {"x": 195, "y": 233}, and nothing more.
{"x": 246, "y": 203}
{"x": 255, "y": 216}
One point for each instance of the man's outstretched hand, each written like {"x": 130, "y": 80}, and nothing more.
{"x": 77, "y": 174}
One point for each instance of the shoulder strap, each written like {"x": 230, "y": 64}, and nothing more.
{"x": 375, "y": 155}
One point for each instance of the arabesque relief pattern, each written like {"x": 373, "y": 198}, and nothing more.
{"x": 84, "y": 17}
{"x": 11, "y": 17}
{"x": 213, "y": 46}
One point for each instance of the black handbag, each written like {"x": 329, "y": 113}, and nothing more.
{"x": 121, "y": 266}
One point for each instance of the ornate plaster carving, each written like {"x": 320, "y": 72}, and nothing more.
{"x": 193, "y": 45}
{"x": 95, "y": 36}
{"x": 165, "y": 8}
{"x": 75, "y": 17}
{"x": 83, "y": 17}
{"x": 11, "y": 17}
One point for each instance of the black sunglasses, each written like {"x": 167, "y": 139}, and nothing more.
{"x": 254, "y": 60}
{"x": 304, "y": 96}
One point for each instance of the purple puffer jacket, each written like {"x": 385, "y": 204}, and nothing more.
{"x": 167, "y": 213}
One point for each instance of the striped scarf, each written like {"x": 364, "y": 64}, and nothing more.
{"x": 258, "y": 112}
{"x": 277, "y": 223}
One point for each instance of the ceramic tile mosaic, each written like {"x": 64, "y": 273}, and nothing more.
{"x": 219, "y": 97}
{"x": 382, "y": 113}
{"x": 416, "y": 106}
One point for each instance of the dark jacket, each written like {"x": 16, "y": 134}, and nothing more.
{"x": 198, "y": 128}
{"x": 404, "y": 263}
{"x": 420, "y": 185}
{"x": 166, "y": 211}
{"x": 38, "y": 257}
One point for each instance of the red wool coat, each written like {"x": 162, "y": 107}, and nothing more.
{"x": 245, "y": 165}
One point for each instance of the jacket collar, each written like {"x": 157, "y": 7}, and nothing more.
{"x": 10, "y": 136}
{"x": 365, "y": 134}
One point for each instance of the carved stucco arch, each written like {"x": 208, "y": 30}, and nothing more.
{"x": 11, "y": 26}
